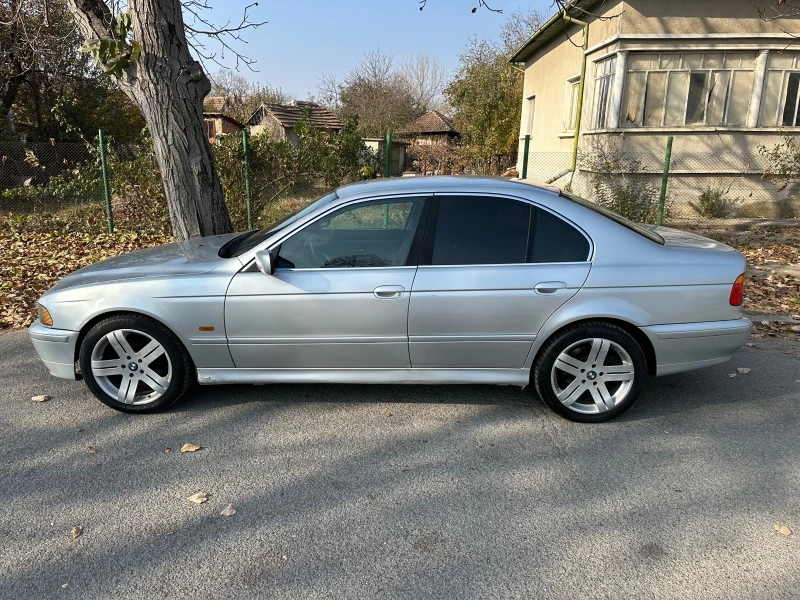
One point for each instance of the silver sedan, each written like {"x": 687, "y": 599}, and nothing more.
{"x": 414, "y": 280}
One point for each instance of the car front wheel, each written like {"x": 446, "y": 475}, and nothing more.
{"x": 133, "y": 363}
{"x": 590, "y": 372}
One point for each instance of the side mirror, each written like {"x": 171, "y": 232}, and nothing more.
{"x": 264, "y": 262}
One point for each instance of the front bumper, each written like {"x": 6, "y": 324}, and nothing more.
{"x": 56, "y": 348}
{"x": 688, "y": 346}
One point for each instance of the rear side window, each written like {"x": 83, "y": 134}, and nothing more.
{"x": 485, "y": 230}
{"x": 480, "y": 230}
{"x": 555, "y": 240}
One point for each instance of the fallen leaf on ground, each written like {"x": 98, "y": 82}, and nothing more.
{"x": 198, "y": 498}
{"x": 229, "y": 511}
{"x": 167, "y": 449}
{"x": 42, "y": 398}
{"x": 750, "y": 345}
{"x": 92, "y": 450}
{"x": 64, "y": 585}
{"x": 732, "y": 375}
{"x": 190, "y": 447}
{"x": 76, "y": 531}
{"x": 388, "y": 414}
{"x": 743, "y": 370}
{"x": 783, "y": 529}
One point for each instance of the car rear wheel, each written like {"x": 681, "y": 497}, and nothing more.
{"x": 590, "y": 372}
{"x": 134, "y": 364}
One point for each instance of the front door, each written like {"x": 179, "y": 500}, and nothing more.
{"x": 339, "y": 296}
{"x": 492, "y": 271}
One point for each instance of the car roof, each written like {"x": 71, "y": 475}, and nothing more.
{"x": 440, "y": 183}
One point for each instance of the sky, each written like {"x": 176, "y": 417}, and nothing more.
{"x": 305, "y": 38}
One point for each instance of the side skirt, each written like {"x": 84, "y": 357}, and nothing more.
{"x": 518, "y": 377}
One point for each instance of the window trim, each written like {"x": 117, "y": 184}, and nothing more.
{"x": 669, "y": 71}
{"x": 569, "y": 107}
{"x": 611, "y": 58}
{"x": 416, "y": 241}
{"x": 426, "y": 255}
{"x": 785, "y": 74}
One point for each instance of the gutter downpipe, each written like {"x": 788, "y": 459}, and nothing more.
{"x": 579, "y": 109}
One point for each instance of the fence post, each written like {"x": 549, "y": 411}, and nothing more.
{"x": 525, "y": 157}
{"x": 664, "y": 178}
{"x": 106, "y": 188}
{"x": 246, "y": 148}
{"x": 387, "y": 169}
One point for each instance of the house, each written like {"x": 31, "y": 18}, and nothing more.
{"x": 431, "y": 129}
{"x": 398, "y": 157}
{"x": 715, "y": 75}
{"x": 279, "y": 119}
{"x": 217, "y": 119}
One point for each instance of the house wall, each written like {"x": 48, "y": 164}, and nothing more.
{"x": 724, "y": 156}
{"x": 271, "y": 126}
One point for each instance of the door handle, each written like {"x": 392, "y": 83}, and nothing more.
{"x": 550, "y": 288}
{"x": 389, "y": 291}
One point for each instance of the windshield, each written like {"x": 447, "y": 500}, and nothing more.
{"x": 640, "y": 229}
{"x": 251, "y": 239}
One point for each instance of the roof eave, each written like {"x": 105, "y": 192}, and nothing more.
{"x": 544, "y": 34}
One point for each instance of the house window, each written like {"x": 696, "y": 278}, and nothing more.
{"x": 571, "y": 103}
{"x": 687, "y": 89}
{"x": 531, "y": 106}
{"x": 779, "y": 104}
{"x": 603, "y": 80}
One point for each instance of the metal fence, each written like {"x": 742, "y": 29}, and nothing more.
{"x": 123, "y": 188}
{"x": 701, "y": 188}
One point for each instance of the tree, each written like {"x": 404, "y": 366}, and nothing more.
{"x": 425, "y": 78}
{"x": 147, "y": 49}
{"x": 486, "y": 92}
{"x": 384, "y": 96}
{"x": 245, "y": 96}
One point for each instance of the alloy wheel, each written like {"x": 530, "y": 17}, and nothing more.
{"x": 592, "y": 376}
{"x": 131, "y": 366}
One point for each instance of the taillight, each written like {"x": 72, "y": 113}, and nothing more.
{"x": 737, "y": 291}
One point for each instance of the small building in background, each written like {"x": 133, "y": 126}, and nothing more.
{"x": 431, "y": 129}
{"x": 279, "y": 119}
{"x": 398, "y": 157}
{"x": 217, "y": 119}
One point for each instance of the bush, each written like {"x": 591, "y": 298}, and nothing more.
{"x": 618, "y": 182}
{"x": 712, "y": 203}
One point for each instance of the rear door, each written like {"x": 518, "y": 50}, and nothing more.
{"x": 492, "y": 271}
{"x": 339, "y": 296}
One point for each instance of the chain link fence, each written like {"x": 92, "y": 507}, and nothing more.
{"x": 703, "y": 189}
{"x": 65, "y": 180}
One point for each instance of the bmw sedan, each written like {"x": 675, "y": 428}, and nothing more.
{"x": 427, "y": 280}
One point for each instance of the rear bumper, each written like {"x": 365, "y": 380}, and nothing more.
{"x": 56, "y": 348}
{"x": 688, "y": 346}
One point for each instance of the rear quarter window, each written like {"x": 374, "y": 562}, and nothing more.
{"x": 555, "y": 240}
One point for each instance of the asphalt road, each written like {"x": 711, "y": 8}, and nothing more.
{"x": 403, "y": 492}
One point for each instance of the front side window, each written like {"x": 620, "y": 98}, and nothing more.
{"x": 371, "y": 234}
{"x": 781, "y": 87}
{"x": 687, "y": 89}
{"x": 484, "y": 230}
{"x": 603, "y": 81}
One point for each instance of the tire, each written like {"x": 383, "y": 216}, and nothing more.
{"x": 134, "y": 364}
{"x": 573, "y": 382}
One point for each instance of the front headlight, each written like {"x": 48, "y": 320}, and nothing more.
{"x": 44, "y": 315}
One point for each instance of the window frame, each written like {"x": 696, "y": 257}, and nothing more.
{"x": 599, "y": 76}
{"x": 572, "y": 88}
{"x": 413, "y": 251}
{"x": 426, "y": 254}
{"x": 669, "y": 71}
{"x": 785, "y": 75}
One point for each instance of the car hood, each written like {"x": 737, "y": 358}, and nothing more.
{"x": 179, "y": 258}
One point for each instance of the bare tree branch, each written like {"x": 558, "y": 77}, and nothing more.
{"x": 481, "y": 4}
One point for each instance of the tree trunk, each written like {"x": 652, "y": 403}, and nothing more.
{"x": 168, "y": 85}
